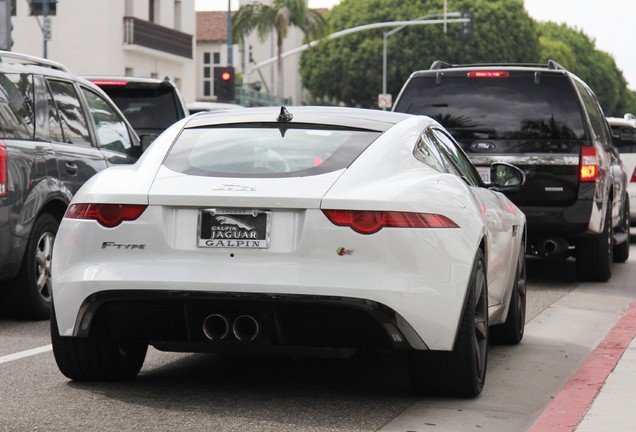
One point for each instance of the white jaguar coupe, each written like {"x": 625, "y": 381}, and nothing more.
{"x": 301, "y": 231}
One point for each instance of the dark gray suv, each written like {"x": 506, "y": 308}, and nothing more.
{"x": 56, "y": 131}
{"x": 548, "y": 122}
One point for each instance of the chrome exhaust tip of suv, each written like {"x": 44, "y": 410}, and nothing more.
{"x": 216, "y": 327}
{"x": 246, "y": 328}
{"x": 554, "y": 246}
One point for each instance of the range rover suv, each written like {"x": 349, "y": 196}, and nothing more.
{"x": 56, "y": 131}
{"x": 548, "y": 122}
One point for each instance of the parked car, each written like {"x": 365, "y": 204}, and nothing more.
{"x": 57, "y": 131}
{"x": 195, "y": 107}
{"x": 316, "y": 230}
{"x": 548, "y": 122}
{"x": 624, "y": 136}
{"x": 151, "y": 105}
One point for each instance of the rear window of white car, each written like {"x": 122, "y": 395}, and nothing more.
{"x": 624, "y": 138}
{"x": 266, "y": 151}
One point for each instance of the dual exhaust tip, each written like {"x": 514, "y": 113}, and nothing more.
{"x": 245, "y": 328}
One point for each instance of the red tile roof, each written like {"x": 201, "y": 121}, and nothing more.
{"x": 212, "y": 26}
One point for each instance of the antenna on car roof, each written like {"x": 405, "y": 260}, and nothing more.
{"x": 284, "y": 116}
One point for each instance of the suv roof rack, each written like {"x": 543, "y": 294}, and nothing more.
{"x": 28, "y": 59}
{"x": 439, "y": 64}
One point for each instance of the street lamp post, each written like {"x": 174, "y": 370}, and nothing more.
{"x": 397, "y": 29}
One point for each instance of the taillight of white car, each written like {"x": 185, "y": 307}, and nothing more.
{"x": 107, "y": 215}
{"x": 369, "y": 222}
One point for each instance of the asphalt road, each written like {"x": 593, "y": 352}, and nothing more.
{"x": 197, "y": 392}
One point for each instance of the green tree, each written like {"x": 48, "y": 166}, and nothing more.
{"x": 278, "y": 18}
{"x": 577, "y": 52}
{"x": 349, "y": 69}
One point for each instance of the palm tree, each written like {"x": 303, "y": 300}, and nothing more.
{"x": 278, "y": 17}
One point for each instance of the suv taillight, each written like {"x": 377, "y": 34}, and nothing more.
{"x": 4, "y": 178}
{"x": 633, "y": 179}
{"x": 589, "y": 164}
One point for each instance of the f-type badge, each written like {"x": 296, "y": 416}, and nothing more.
{"x": 482, "y": 146}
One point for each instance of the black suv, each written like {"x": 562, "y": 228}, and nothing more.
{"x": 56, "y": 131}
{"x": 549, "y": 123}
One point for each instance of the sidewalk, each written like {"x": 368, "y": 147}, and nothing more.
{"x": 601, "y": 395}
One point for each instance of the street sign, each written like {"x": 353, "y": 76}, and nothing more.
{"x": 46, "y": 28}
{"x": 385, "y": 101}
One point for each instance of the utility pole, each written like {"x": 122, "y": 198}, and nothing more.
{"x": 5, "y": 25}
{"x": 229, "y": 33}
{"x": 46, "y": 26}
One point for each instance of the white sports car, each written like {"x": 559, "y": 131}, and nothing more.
{"x": 300, "y": 230}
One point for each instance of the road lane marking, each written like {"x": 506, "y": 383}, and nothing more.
{"x": 27, "y": 353}
{"x": 567, "y": 409}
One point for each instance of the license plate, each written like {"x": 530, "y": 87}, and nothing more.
{"x": 484, "y": 173}
{"x": 234, "y": 228}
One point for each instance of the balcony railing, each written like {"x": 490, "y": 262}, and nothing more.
{"x": 154, "y": 36}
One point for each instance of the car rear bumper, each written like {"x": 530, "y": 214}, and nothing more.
{"x": 211, "y": 322}
{"x": 559, "y": 226}
{"x": 421, "y": 275}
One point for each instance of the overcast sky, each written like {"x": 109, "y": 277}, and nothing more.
{"x": 611, "y": 23}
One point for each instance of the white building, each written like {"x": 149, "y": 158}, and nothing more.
{"x": 147, "y": 38}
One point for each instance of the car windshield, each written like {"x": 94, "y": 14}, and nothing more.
{"x": 514, "y": 107}
{"x": 266, "y": 151}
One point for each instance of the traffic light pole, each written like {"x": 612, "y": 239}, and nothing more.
{"x": 397, "y": 29}
{"x": 355, "y": 30}
{"x": 5, "y": 25}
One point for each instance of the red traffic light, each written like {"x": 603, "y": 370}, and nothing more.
{"x": 226, "y": 76}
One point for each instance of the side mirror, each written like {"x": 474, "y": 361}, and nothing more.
{"x": 146, "y": 140}
{"x": 506, "y": 178}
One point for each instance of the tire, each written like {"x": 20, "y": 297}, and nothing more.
{"x": 621, "y": 250}
{"x": 96, "y": 359}
{"x": 462, "y": 371}
{"x": 511, "y": 331}
{"x": 595, "y": 255}
{"x": 28, "y": 296}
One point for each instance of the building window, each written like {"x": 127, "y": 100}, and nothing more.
{"x": 129, "y": 10}
{"x": 153, "y": 11}
{"x": 37, "y": 7}
{"x": 209, "y": 59}
{"x": 177, "y": 15}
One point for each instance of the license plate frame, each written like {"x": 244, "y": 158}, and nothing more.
{"x": 234, "y": 228}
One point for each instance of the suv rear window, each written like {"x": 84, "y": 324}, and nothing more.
{"x": 16, "y": 106}
{"x": 145, "y": 106}
{"x": 266, "y": 151}
{"x": 513, "y": 107}
{"x": 624, "y": 138}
